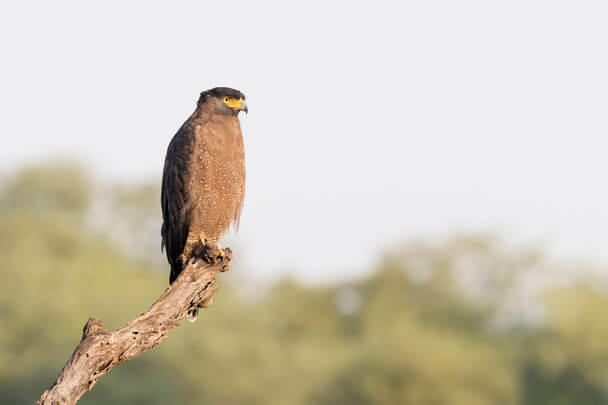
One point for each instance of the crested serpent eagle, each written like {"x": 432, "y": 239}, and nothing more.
{"x": 203, "y": 183}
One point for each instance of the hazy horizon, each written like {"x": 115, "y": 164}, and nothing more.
{"x": 367, "y": 125}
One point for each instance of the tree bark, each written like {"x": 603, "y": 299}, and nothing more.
{"x": 100, "y": 350}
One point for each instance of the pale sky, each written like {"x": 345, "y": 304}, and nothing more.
{"x": 370, "y": 122}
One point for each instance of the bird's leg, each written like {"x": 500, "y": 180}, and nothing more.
{"x": 196, "y": 244}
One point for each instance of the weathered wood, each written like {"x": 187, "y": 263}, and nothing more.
{"x": 100, "y": 350}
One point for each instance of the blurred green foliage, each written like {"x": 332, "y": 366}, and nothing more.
{"x": 433, "y": 324}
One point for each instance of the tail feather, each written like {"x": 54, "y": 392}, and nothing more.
{"x": 176, "y": 269}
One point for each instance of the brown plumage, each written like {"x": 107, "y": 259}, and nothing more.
{"x": 204, "y": 177}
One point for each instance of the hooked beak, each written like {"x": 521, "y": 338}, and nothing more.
{"x": 243, "y": 107}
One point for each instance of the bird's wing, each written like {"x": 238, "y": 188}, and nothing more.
{"x": 174, "y": 198}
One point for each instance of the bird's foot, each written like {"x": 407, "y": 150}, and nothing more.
{"x": 214, "y": 254}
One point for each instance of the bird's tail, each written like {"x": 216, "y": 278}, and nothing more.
{"x": 176, "y": 269}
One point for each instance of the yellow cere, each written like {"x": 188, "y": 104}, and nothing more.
{"x": 233, "y": 102}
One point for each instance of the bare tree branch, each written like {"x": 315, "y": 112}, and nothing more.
{"x": 100, "y": 350}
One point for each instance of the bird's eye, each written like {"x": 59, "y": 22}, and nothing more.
{"x": 226, "y": 99}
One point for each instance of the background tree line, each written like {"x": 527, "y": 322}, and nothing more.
{"x": 470, "y": 320}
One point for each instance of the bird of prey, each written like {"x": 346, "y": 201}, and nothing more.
{"x": 203, "y": 183}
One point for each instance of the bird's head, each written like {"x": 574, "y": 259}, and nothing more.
{"x": 224, "y": 100}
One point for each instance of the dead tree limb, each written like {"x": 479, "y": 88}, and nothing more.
{"x": 100, "y": 350}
